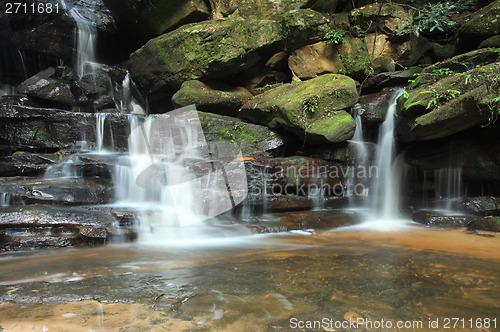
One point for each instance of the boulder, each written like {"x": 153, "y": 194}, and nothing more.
{"x": 208, "y": 50}
{"x": 302, "y": 27}
{"x": 456, "y": 65}
{"x": 258, "y": 9}
{"x": 493, "y": 42}
{"x": 386, "y": 16}
{"x": 484, "y": 24}
{"x": 143, "y": 20}
{"x": 451, "y": 105}
{"x": 253, "y": 140}
{"x": 312, "y": 109}
{"x": 373, "y": 107}
{"x": 48, "y": 89}
{"x": 211, "y": 97}
{"x": 440, "y": 220}
{"x": 313, "y": 60}
{"x": 388, "y": 79}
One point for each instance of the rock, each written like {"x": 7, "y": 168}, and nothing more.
{"x": 490, "y": 224}
{"x": 313, "y": 60}
{"x": 493, "y": 42}
{"x": 44, "y": 226}
{"x": 302, "y": 27}
{"x": 484, "y": 205}
{"x": 386, "y": 16}
{"x": 48, "y": 89}
{"x": 212, "y": 97}
{"x": 437, "y": 219}
{"x": 253, "y": 140}
{"x": 259, "y": 9}
{"x": 64, "y": 191}
{"x": 373, "y": 107}
{"x": 387, "y": 79}
{"x": 143, "y": 20}
{"x": 26, "y": 164}
{"x": 27, "y": 128}
{"x": 458, "y": 64}
{"x": 205, "y": 51}
{"x": 346, "y": 153}
{"x": 312, "y": 109}
{"x": 483, "y": 24}
{"x": 451, "y": 105}
{"x": 444, "y": 51}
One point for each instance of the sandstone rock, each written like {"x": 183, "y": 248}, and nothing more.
{"x": 211, "y": 97}
{"x": 311, "y": 109}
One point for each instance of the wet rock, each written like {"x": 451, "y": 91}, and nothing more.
{"x": 48, "y": 89}
{"x": 343, "y": 153}
{"x": 211, "y": 97}
{"x": 65, "y": 191}
{"x": 253, "y": 140}
{"x": 312, "y": 110}
{"x": 184, "y": 54}
{"x": 490, "y": 224}
{"x": 27, "y": 227}
{"x": 27, "y": 128}
{"x": 437, "y": 219}
{"x": 26, "y": 164}
{"x": 484, "y": 205}
{"x": 143, "y": 20}
{"x": 373, "y": 107}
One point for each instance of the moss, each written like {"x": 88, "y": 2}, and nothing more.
{"x": 38, "y": 132}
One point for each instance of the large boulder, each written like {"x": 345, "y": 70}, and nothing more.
{"x": 386, "y": 16}
{"x": 253, "y": 140}
{"x": 313, "y": 109}
{"x": 143, "y": 20}
{"x": 484, "y": 23}
{"x": 312, "y": 60}
{"x": 211, "y": 97}
{"x": 449, "y": 106}
{"x": 208, "y": 50}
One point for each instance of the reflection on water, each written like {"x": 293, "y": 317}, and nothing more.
{"x": 262, "y": 283}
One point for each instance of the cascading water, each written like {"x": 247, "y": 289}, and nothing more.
{"x": 361, "y": 160}
{"x": 447, "y": 187}
{"x": 86, "y": 44}
{"x": 386, "y": 193}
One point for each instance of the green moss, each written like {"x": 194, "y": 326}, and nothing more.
{"x": 38, "y": 132}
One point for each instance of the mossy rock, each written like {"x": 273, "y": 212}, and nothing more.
{"x": 493, "y": 42}
{"x": 458, "y": 64}
{"x": 207, "y": 50}
{"x": 212, "y": 97}
{"x": 312, "y": 109}
{"x": 484, "y": 23}
{"x": 252, "y": 139}
{"x": 302, "y": 27}
{"x": 260, "y": 9}
{"x": 386, "y": 15}
{"x": 451, "y": 105}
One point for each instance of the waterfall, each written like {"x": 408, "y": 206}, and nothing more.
{"x": 447, "y": 187}
{"x": 100, "y": 119}
{"x": 4, "y": 199}
{"x": 361, "y": 159}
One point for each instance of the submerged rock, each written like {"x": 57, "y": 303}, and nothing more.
{"x": 312, "y": 110}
